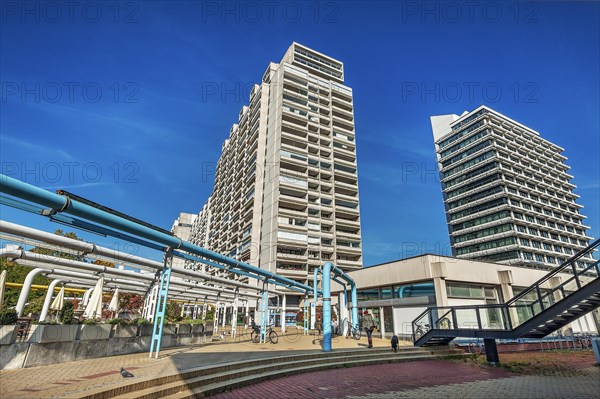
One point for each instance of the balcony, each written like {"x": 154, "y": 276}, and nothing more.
{"x": 349, "y": 264}
{"x": 343, "y": 248}
{"x": 293, "y": 273}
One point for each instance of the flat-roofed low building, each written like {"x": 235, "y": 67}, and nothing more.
{"x": 397, "y": 292}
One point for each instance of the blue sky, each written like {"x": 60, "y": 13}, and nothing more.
{"x": 128, "y": 103}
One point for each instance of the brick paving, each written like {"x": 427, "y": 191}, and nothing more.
{"x": 359, "y": 381}
{"x": 426, "y": 379}
{"x": 59, "y": 380}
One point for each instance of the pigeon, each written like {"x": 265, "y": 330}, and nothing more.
{"x": 125, "y": 373}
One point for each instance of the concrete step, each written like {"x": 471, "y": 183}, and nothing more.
{"x": 189, "y": 391}
{"x": 159, "y": 386}
{"x": 152, "y": 383}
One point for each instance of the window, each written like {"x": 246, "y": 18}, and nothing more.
{"x": 527, "y": 256}
{"x": 414, "y": 290}
{"x": 539, "y": 258}
{"x": 385, "y": 293}
{"x": 291, "y": 236}
{"x": 486, "y": 245}
{"x": 484, "y": 233}
{"x": 471, "y": 291}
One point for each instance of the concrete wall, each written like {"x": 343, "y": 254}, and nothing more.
{"x": 24, "y": 354}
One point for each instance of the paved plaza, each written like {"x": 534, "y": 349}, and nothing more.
{"x": 423, "y": 379}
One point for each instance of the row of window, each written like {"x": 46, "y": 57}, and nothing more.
{"x": 459, "y": 126}
{"x": 475, "y": 197}
{"x": 548, "y": 223}
{"x": 468, "y": 164}
{"x": 545, "y": 234}
{"x": 481, "y": 220}
{"x": 485, "y": 232}
{"x": 397, "y": 291}
{"x": 467, "y": 153}
{"x": 473, "y": 185}
{"x": 548, "y": 247}
{"x": 471, "y": 174}
{"x": 503, "y": 242}
{"x": 543, "y": 258}
{"x": 549, "y": 212}
{"x": 530, "y": 176}
{"x": 530, "y": 154}
{"x": 464, "y": 143}
{"x": 478, "y": 208}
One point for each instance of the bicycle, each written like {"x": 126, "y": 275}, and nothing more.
{"x": 271, "y": 336}
{"x": 353, "y": 331}
{"x": 584, "y": 341}
{"x": 420, "y": 331}
{"x": 476, "y": 347}
{"x": 444, "y": 323}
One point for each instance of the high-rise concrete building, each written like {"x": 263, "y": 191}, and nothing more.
{"x": 182, "y": 228}
{"x": 507, "y": 193}
{"x": 285, "y": 196}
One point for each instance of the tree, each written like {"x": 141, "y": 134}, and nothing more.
{"x": 66, "y": 313}
{"x": 16, "y": 273}
{"x": 130, "y": 303}
{"x": 57, "y": 253}
{"x": 173, "y": 312}
{"x": 36, "y": 303}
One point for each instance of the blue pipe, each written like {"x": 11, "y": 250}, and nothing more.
{"x": 61, "y": 203}
{"x": 315, "y": 292}
{"x": 327, "y": 306}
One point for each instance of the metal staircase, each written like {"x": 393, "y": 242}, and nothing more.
{"x": 542, "y": 308}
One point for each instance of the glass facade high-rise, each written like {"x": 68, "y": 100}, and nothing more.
{"x": 285, "y": 196}
{"x": 507, "y": 191}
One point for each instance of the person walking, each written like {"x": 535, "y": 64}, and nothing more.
{"x": 368, "y": 324}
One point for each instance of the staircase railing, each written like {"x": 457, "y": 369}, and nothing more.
{"x": 522, "y": 307}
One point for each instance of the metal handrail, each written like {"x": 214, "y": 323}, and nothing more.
{"x": 505, "y": 307}
{"x": 569, "y": 262}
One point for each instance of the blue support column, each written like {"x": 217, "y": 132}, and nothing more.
{"x": 354, "y": 297}
{"x": 264, "y": 313}
{"x": 305, "y": 314}
{"x": 326, "y": 307}
{"x": 161, "y": 305}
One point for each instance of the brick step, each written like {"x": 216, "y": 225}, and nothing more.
{"x": 262, "y": 369}
{"x": 188, "y": 392}
{"x": 154, "y": 381}
{"x": 160, "y": 387}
